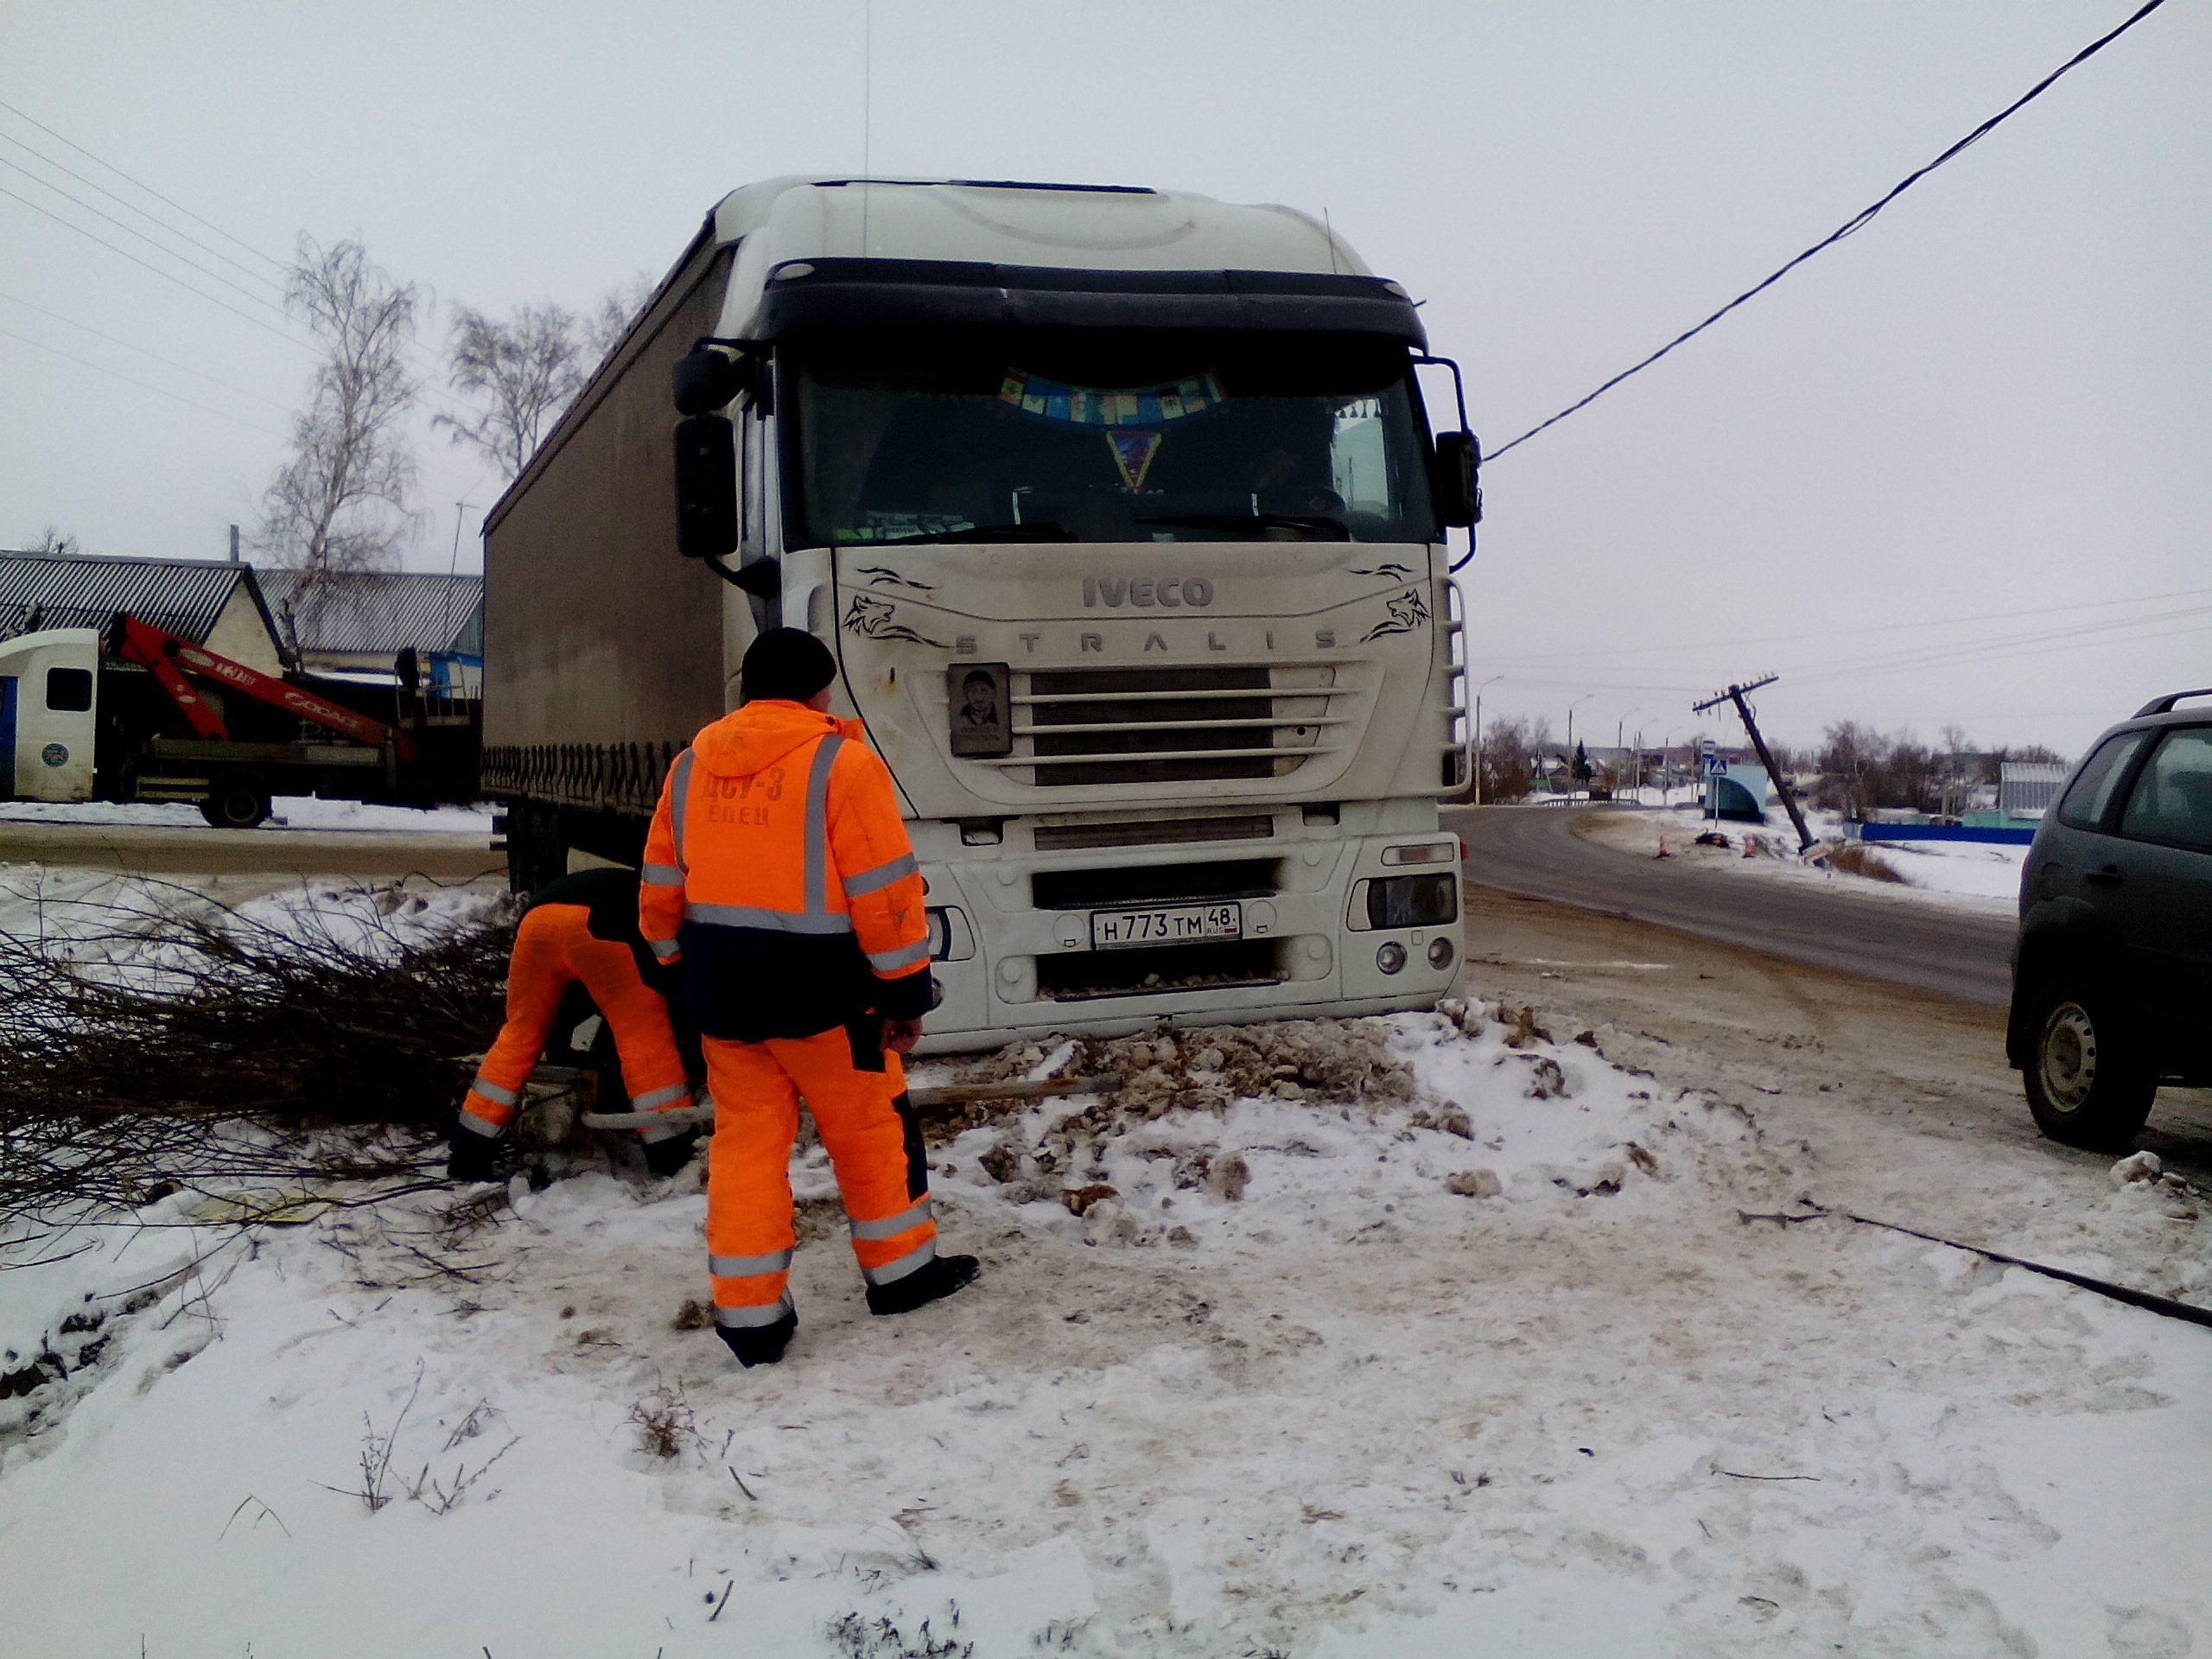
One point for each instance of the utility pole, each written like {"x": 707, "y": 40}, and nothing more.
{"x": 1568, "y": 754}
{"x": 1479, "y": 690}
{"x": 458, "y": 508}
{"x": 1737, "y": 695}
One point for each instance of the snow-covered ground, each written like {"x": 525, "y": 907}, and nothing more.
{"x": 288, "y": 811}
{"x": 1982, "y": 876}
{"x": 1414, "y": 1336}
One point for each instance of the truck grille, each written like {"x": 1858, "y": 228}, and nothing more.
{"x": 1103, "y": 726}
{"x": 1077, "y": 976}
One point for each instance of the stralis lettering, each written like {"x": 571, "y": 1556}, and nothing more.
{"x": 1144, "y": 592}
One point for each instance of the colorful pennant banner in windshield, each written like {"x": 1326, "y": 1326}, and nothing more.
{"x": 1096, "y": 406}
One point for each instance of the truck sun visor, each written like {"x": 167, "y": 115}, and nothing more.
{"x": 848, "y": 293}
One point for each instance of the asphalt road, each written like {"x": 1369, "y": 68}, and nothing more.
{"x": 1534, "y": 850}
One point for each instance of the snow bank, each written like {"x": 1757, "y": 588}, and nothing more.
{"x": 1977, "y": 876}
{"x": 1291, "y": 1385}
{"x": 288, "y": 811}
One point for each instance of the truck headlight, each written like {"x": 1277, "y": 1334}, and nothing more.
{"x": 1391, "y": 957}
{"x": 1413, "y": 901}
{"x": 1440, "y": 953}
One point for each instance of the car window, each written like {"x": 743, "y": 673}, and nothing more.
{"x": 2172, "y": 798}
{"x": 69, "y": 691}
{"x": 2085, "y": 803}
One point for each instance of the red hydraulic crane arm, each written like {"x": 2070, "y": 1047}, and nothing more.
{"x": 165, "y": 654}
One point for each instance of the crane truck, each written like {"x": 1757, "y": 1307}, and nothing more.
{"x": 1124, "y": 514}
{"x": 135, "y": 713}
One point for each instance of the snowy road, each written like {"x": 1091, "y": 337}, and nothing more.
{"x": 1533, "y": 849}
{"x": 314, "y": 838}
{"x": 1541, "y": 1333}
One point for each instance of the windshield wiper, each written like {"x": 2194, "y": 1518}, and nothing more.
{"x": 1252, "y": 520}
{"x": 1035, "y": 529}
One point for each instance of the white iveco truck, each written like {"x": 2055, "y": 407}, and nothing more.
{"x": 1125, "y": 518}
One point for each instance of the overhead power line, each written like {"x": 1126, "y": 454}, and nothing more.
{"x": 2009, "y": 645}
{"x": 142, "y": 185}
{"x": 86, "y": 362}
{"x": 1857, "y": 221}
{"x": 425, "y": 356}
{"x": 129, "y": 229}
{"x": 140, "y": 350}
{"x": 1677, "y": 648}
{"x": 130, "y": 206}
{"x": 165, "y": 275}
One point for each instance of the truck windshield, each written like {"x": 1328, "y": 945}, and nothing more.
{"x": 1105, "y": 437}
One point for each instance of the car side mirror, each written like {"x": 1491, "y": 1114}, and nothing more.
{"x": 1459, "y": 498}
{"x": 704, "y": 380}
{"x": 706, "y": 487}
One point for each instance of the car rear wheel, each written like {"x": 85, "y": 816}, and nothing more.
{"x": 2089, "y": 1082}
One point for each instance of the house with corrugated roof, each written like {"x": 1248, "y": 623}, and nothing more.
{"x": 213, "y": 602}
{"x": 357, "y": 624}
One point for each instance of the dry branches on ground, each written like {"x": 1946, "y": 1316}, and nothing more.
{"x": 135, "y": 1030}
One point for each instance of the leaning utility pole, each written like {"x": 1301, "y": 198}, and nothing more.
{"x": 1737, "y": 694}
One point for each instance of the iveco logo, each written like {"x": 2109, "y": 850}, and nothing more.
{"x": 1144, "y": 592}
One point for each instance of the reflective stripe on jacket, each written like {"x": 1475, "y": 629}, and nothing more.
{"x": 779, "y": 871}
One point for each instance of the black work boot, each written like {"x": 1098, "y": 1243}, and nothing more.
{"x": 936, "y": 1279}
{"x": 760, "y": 1344}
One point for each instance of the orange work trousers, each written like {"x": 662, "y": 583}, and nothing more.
{"x": 875, "y": 1145}
{"x": 554, "y": 947}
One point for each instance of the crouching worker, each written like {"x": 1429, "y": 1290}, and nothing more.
{"x": 580, "y": 929}
{"x": 777, "y": 871}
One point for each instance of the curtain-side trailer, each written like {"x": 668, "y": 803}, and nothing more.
{"x": 1125, "y": 518}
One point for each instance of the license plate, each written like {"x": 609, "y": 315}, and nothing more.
{"x": 1113, "y": 930}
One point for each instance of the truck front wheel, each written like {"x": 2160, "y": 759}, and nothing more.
{"x": 236, "y": 800}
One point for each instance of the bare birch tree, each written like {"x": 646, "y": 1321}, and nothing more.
{"x": 516, "y": 377}
{"x": 519, "y": 375}
{"x": 604, "y": 328}
{"x": 53, "y": 543}
{"x": 340, "y": 505}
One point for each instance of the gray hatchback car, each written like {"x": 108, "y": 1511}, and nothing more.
{"x": 2112, "y": 978}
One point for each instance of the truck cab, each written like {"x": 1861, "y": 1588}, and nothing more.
{"x": 1124, "y": 513}
{"x": 48, "y": 714}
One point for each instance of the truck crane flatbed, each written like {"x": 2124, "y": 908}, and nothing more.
{"x": 136, "y": 713}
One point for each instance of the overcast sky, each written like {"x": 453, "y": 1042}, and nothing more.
{"x": 1982, "y": 420}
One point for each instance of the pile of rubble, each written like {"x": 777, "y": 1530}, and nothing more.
{"x": 1346, "y": 1063}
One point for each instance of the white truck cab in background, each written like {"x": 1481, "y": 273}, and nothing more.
{"x": 47, "y": 714}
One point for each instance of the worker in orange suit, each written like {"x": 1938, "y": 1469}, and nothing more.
{"x": 779, "y": 873}
{"x": 582, "y": 928}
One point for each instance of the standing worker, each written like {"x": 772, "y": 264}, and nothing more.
{"x": 582, "y": 928}
{"x": 779, "y": 871}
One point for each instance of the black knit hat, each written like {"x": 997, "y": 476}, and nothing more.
{"x": 785, "y": 662}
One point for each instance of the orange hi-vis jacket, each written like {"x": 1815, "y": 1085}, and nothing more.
{"x": 779, "y": 871}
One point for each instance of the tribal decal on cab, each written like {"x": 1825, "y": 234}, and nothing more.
{"x": 878, "y": 619}
{"x": 1408, "y": 612}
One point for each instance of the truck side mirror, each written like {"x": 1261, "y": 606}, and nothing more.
{"x": 706, "y": 487}
{"x": 705, "y": 380}
{"x": 1458, "y": 501}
